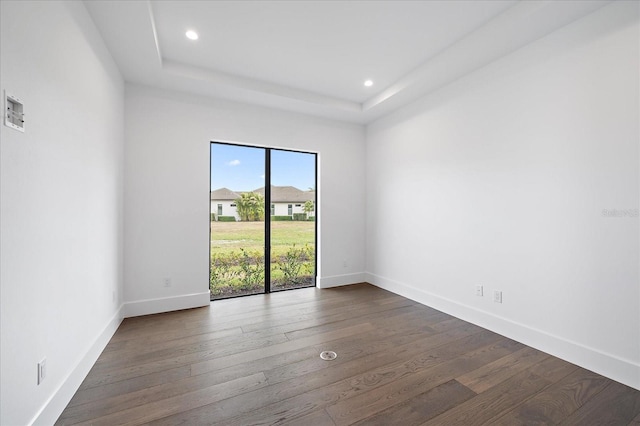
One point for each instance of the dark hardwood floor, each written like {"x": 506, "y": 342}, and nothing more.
{"x": 255, "y": 361}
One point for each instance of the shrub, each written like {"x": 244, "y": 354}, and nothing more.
{"x": 213, "y": 217}
{"x": 252, "y": 267}
{"x": 295, "y": 261}
{"x": 309, "y": 257}
{"x": 299, "y": 216}
{"x": 223, "y": 269}
{"x": 226, "y": 219}
{"x": 280, "y": 218}
{"x": 291, "y": 263}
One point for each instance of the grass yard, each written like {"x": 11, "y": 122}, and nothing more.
{"x": 227, "y": 237}
{"x": 237, "y": 260}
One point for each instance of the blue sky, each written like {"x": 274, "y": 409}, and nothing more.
{"x": 241, "y": 168}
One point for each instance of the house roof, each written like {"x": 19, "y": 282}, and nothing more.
{"x": 279, "y": 194}
{"x": 224, "y": 194}
{"x": 285, "y": 194}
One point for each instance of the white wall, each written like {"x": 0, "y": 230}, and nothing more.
{"x": 61, "y": 206}
{"x": 167, "y": 190}
{"x": 506, "y": 174}
{"x": 227, "y": 208}
{"x": 282, "y": 209}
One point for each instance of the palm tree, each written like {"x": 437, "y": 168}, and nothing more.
{"x": 308, "y": 207}
{"x": 250, "y": 206}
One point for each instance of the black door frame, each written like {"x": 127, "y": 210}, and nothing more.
{"x": 267, "y": 216}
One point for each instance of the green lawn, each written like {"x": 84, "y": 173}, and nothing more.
{"x": 237, "y": 256}
{"x": 228, "y": 237}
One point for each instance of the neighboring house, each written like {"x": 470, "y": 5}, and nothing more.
{"x": 223, "y": 203}
{"x": 285, "y": 201}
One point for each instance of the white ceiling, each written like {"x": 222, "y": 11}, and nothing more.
{"x": 329, "y": 48}
{"x": 313, "y": 56}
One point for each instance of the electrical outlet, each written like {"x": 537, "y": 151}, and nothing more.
{"x": 497, "y": 296}
{"x": 42, "y": 370}
{"x": 344, "y": 264}
{"x": 167, "y": 282}
{"x": 478, "y": 290}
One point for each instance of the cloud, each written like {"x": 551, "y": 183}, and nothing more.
{"x": 261, "y": 176}
{"x": 233, "y": 163}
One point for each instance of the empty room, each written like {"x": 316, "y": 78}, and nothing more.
{"x": 320, "y": 212}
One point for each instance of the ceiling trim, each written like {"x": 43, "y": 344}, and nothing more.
{"x": 142, "y": 62}
{"x": 516, "y": 27}
{"x": 154, "y": 30}
{"x": 222, "y": 78}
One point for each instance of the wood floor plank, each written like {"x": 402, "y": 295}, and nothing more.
{"x": 154, "y": 410}
{"x": 422, "y": 374}
{"x": 416, "y": 410}
{"x": 493, "y": 373}
{"x": 255, "y": 360}
{"x": 114, "y": 401}
{"x": 211, "y": 348}
{"x": 144, "y": 346}
{"x": 553, "y": 369}
{"x": 107, "y": 376}
{"x": 448, "y": 323}
{"x": 617, "y": 404}
{"x": 387, "y": 315}
{"x": 324, "y": 315}
{"x": 101, "y": 393}
{"x": 482, "y": 408}
{"x": 316, "y": 418}
{"x": 558, "y": 401}
{"x": 127, "y": 399}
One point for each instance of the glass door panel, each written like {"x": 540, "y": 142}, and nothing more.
{"x": 293, "y": 225}
{"x": 237, "y": 232}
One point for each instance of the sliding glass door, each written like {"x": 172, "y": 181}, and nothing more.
{"x": 293, "y": 226}
{"x": 263, "y": 228}
{"x": 237, "y": 238}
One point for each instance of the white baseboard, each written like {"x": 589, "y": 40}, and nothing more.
{"x": 166, "y": 304}
{"x": 58, "y": 401}
{"x": 340, "y": 280}
{"x": 608, "y": 365}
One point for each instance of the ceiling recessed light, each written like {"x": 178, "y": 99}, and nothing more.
{"x": 368, "y": 83}
{"x": 191, "y": 35}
